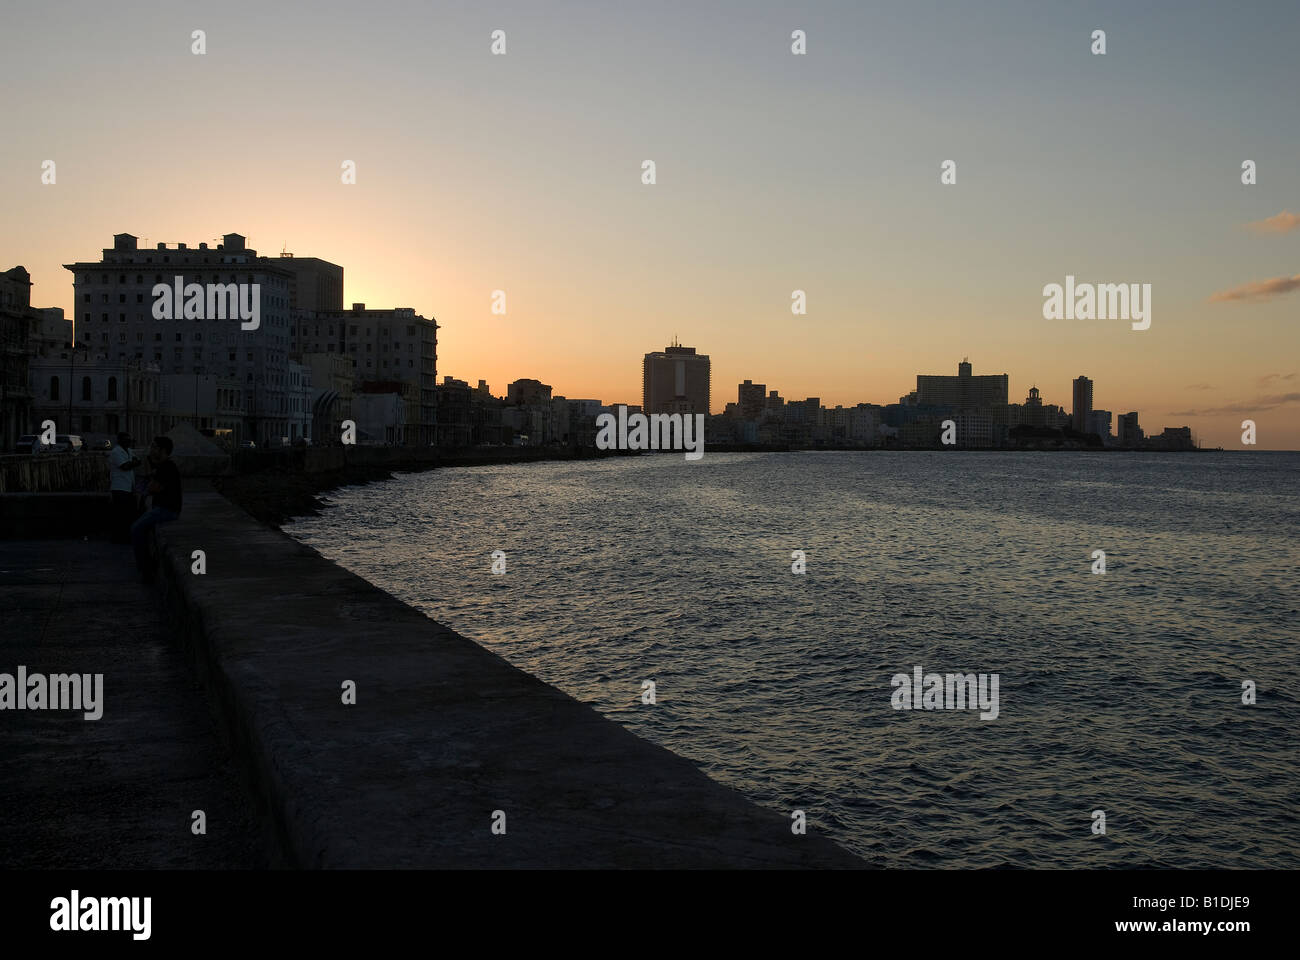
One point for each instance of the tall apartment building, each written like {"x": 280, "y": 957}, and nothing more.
{"x": 524, "y": 392}
{"x": 314, "y": 284}
{"x": 1128, "y": 432}
{"x": 1099, "y": 422}
{"x": 750, "y": 399}
{"x": 385, "y": 345}
{"x": 1081, "y": 411}
{"x": 963, "y": 391}
{"x": 114, "y": 319}
{"x": 676, "y": 380}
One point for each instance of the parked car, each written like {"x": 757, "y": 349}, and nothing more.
{"x": 67, "y": 443}
{"x": 247, "y": 445}
{"x": 302, "y": 441}
{"x": 104, "y": 444}
{"x": 26, "y": 444}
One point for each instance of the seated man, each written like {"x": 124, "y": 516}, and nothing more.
{"x": 166, "y": 491}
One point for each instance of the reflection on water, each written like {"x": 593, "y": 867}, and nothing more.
{"x": 1119, "y": 692}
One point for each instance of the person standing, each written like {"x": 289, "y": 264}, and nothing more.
{"x": 121, "y": 484}
{"x": 165, "y": 488}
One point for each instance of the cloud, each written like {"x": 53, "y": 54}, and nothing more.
{"x": 1204, "y": 386}
{"x": 1242, "y": 406}
{"x": 1283, "y": 222}
{"x": 1259, "y": 291}
{"x": 1274, "y": 376}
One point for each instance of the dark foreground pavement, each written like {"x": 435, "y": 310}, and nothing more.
{"x": 117, "y": 792}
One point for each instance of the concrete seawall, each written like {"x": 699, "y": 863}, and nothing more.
{"x": 442, "y": 734}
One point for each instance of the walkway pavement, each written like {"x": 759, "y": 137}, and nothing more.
{"x": 117, "y": 792}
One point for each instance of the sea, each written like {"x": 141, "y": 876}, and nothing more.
{"x": 1148, "y": 711}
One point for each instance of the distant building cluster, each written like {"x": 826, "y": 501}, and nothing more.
{"x": 978, "y": 408}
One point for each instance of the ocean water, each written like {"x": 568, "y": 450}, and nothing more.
{"x": 1119, "y": 692}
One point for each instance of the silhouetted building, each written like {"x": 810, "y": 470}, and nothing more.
{"x": 524, "y": 392}
{"x": 1099, "y": 423}
{"x": 314, "y": 284}
{"x": 1082, "y": 408}
{"x": 18, "y": 322}
{"x": 331, "y": 395}
{"x": 676, "y": 380}
{"x": 750, "y": 400}
{"x": 384, "y": 345}
{"x": 95, "y": 397}
{"x": 962, "y": 391}
{"x": 1128, "y": 432}
{"x": 114, "y": 318}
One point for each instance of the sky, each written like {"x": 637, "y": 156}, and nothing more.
{"x": 774, "y": 173}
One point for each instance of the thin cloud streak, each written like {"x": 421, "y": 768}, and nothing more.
{"x": 1260, "y": 291}
{"x": 1283, "y": 222}
{"x": 1242, "y": 406}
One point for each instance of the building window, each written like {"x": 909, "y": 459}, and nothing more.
{"x": 54, "y": 388}
{"x": 85, "y": 388}
{"x": 112, "y": 389}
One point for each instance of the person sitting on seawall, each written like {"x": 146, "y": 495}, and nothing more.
{"x": 165, "y": 489}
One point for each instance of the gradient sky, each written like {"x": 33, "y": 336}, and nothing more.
{"x": 775, "y": 172}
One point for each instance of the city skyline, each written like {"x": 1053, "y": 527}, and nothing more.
{"x": 519, "y": 173}
{"x": 316, "y": 292}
